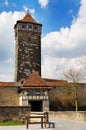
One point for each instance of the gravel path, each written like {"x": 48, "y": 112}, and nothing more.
{"x": 60, "y": 125}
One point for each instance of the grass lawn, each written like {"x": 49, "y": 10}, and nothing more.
{"x": 10, "y": 123}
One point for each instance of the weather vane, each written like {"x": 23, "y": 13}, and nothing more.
{"x": 28, "y": 10}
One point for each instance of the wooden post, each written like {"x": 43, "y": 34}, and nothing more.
{"x": 26, "y": 123}
{"x": 41, "y": 122}
{"x": 47, "y": 117}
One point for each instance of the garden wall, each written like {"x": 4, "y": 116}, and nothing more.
{"x": 71, "y": 115}
{"x": 9, "y": 96}
{"x": 14, "y": 113}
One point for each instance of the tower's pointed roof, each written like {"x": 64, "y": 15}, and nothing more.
{"x": 28, "y": 18}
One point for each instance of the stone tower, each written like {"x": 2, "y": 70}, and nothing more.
{"x": 28, "y": 47}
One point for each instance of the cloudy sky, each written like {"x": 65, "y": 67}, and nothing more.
{"x": 63, "y": 34}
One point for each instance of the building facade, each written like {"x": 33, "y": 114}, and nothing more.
{"x": 28, "y": 64}
{"x": 29, "y": 87}
{"x": 35, "y": 91}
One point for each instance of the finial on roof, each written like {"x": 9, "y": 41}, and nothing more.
{"x": 28, "y": 11}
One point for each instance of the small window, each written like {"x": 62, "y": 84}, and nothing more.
{"x": 34, "y": 92}
{"x": 41, "y": 93}
{"x": 30, "y": 26}
{"x": 23, "y": 26}
{"x": 31, "y": 93}
{"x": 36, "y": 27}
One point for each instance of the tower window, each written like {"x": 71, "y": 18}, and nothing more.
{"x": 23, "y": 26}
{"x": 36, "y": 27}
{"x": 30, "y": 26}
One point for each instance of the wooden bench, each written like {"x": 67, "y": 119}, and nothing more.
{"x": 42, "y": 116}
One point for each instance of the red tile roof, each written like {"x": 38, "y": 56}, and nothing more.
{"x": 9, "y": 84}
{"x": 28, "y": 18}
{"x": 35, "y": 80}
{"x": 54, "y": 82}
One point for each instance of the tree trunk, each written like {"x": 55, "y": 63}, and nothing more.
{"x": 76, "y": 105}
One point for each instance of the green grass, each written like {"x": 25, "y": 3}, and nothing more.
{"x": 10, "y": 123}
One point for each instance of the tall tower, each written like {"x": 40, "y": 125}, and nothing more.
{"x": 28, "y": 47}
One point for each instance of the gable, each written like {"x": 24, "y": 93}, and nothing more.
{"x": 35, "y": 80}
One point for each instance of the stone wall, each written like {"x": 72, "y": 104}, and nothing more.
{"x": 15, "y": 113}
{"x": 71, "y": 115}
{"x": 9, "y": 95}
{"x": 28, "y": 53}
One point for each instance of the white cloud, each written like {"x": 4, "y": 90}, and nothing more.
{"x": 53, "y": 67}
{"x": 7, "y": 44}
{"x": 43, "y": 3}
{"x": 6, "y": 3}
{"x": 32, "y": 11}
{"x": 25, "y": 8}
{"x": 65, "y": 45}
{"x": 7, "y": 77}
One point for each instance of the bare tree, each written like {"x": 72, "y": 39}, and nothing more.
{"x": 83, "y": 66}
{"x": 83, "y": 62}
{"x": 74, "y": 76}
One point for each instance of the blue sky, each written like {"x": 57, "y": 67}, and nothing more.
{"x": 63, "y": 34}
{"x": 53, "y": 15}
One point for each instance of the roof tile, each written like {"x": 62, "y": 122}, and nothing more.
{"x": 28, "y": 18}
{"x": 35, "y": 80}
{"x": 9, "y": 84}
{"x": 55, "y": 82}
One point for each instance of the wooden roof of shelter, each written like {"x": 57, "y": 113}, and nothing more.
{"x": 34, "y": 80}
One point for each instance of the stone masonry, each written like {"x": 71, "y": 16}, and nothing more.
{"x": 9, "y": 95}
{"x": 14, "y": 113}
{"x": 28, "y": 48}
